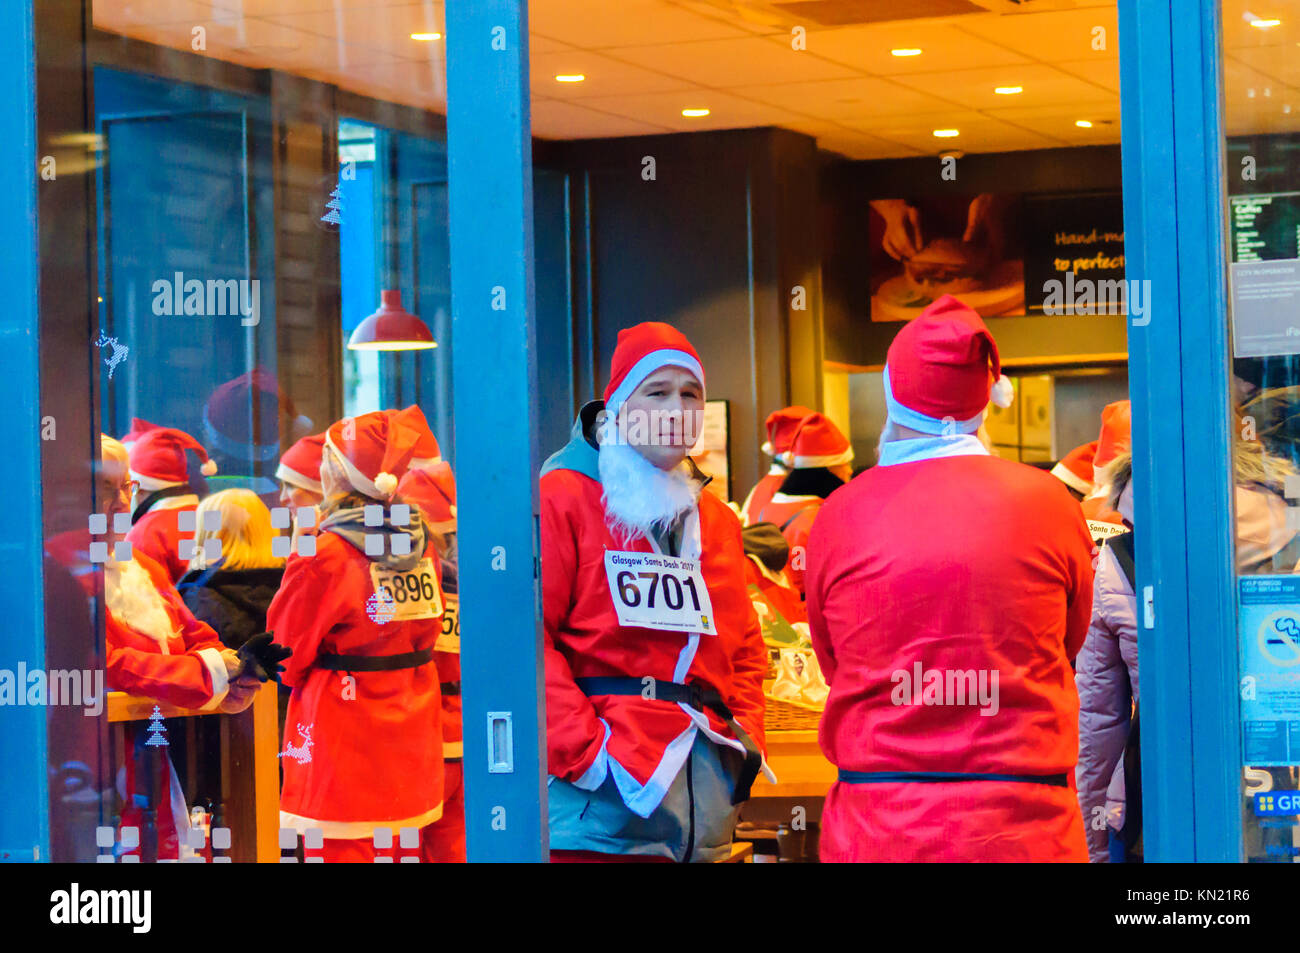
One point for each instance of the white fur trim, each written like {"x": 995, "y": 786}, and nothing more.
{"x": 209, "y": 468}
{"x": 359, "y": 480}
{"x": 667, "y": 357}
{"x": 220, "y": 679}
{"x": 829, "y": 460}
{"x": 357, "y": 830}
{"x": 418, "y": 462}
{"x": 294, "y": 478}
{"x": 1071, "y": 479}
{"x": 1003, "y": 392}
{"x": 386, "y": 484}
{"x": 152, "y": 483}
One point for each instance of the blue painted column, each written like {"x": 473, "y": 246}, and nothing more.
{"x": 1178, "y": 377}
{"x": 494, "y": 366}
{"x": 24, "y": 804}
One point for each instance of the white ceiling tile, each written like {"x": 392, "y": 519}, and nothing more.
{"x": 604, "y": 76}
{"x": 665, "y": 109}
{"x": 1103, "y": 73}
{"x": 858, "y": 98}
{"x": 743, "y": 62}
{"x": 1052, "y": 35}
{"x": 596, "y": 24}
{"x": 867, "y": 48}
{"x": 1041, "y": 85}
{"x": 553, "y": 119}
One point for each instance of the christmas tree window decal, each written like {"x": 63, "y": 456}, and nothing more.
{"x": 333, "y": 207}
{"x": 282, "y": 546}
{"x": 158, "y": 731}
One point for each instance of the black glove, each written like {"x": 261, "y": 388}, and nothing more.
{"x": 262, "y": 657}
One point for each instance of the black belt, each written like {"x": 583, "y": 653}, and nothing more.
{"x": 697, "y": 695}
{"x": 373, "y": 663}
{"x": 940, "y": 777}
{"x": 450, "y": 688}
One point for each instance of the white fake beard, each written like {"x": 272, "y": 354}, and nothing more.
{"x": 133, "y": 601}
{"x": 640, "y": 498}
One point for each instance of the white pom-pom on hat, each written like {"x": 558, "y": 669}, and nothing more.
{"x": 1003, "y": 392}
{"x": 386, "y": 484}
{"x": 209, "y": 468}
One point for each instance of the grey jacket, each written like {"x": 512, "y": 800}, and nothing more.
{"x": 1106, "y": 676}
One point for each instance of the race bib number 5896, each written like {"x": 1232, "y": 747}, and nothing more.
{"x": 651, "y": 591}
{"x": 409, "y": 595}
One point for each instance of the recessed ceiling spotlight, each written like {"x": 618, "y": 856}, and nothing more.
{"x": 1083, "y": 124}
{"x": 570, "y": 78}
{"x": 1262, "y": 24}
{"x": 945, "y": 133}
{"x": 906, "y": 52}
{"x": 1008, "y": 90}
{"x": 426, "y": 37}
{"x": 694, "y": 113}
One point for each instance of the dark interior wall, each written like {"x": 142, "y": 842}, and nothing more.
{"x": 712, "y": 244}
{"x": 847, "y": 186}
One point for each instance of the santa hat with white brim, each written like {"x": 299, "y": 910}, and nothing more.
{"x": 157, "y": 459}
{"x": 1116, "y": 437}
{"x": 1075, "y": 468}
{"x": 427, "y": 451}
{"x": 300, "y": 465}
{"x": 819, "y": 443}
{"x": 942, "y": 369}
{"x": 375, "y": 449}
{"x": 781, "y": 426}
{"x": 641, "y": 350}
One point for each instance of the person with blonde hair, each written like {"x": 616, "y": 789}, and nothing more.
{"x": 233, "y": 575}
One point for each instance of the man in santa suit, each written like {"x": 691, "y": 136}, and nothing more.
{"x": 363, "y": 737}
{"x": 432, "y": 488}
{"x": 948, "y": 591}
{"x": 159, "y": 466}
{"x": 156, "y": 648}
{"x": 820, "y": 457}
{"x": 1075, "y": 470}
{"x": 781, "y": 426}
{"x": 654, "y": 661}
{"x": 1116, "y": 438}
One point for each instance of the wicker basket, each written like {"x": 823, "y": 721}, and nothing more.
{"x": 785, "y": 715}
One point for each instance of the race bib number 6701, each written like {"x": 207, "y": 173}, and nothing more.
{"x": 651, "y": 591}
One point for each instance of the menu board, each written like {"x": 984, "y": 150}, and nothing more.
{"x": 710, "y": 452}
{"x": 1264, "y": 275}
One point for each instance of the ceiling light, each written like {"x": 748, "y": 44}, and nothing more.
{"x": 1008, "y": 90}
{"x": 570, "y": 78}
{"x": 1260, "y": 24}
{"x": 906, "y": 52}
{"x": 426, "y": 37}
{"x": 945, "y": 133}
{"x": 391, "y": 328}
{"x": 694, "y": 113}
{"x": 1083, "y": 124}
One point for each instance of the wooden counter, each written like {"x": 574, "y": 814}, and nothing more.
{"x": 800, "y": 767}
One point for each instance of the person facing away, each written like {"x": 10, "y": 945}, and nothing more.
{"x": 781, "y": 426}
{"x": 232, "y": 591}
{"x": 654, "y": 673}
{"x": 948, "y": 591}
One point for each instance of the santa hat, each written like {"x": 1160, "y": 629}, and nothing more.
{"x": 1075, "y": 468}
{"x": 940, "y": 370}
{"x": 433, "y": 491}
{"x": 1116, "y": 437}
{"x": 781, "y": 427}
{"x": 229, "y": 416}
{"x": 427, "y": 452}
{"x": 157, "y": 459}
{"x": 139, "y": 427}
{"x": 641, "y": 350}
{"x": 819, "y": 443}
{"x": 377, "y": 449}
{"x": 300, "y": 465}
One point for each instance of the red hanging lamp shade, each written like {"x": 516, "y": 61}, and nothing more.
{"x": 391, "y": 328}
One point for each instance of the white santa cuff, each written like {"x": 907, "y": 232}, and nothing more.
{"x": 595, "y": 775}
{"x": 216, "y": 666}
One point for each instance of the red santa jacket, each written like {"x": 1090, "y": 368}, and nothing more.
{"x": 761, "y": 495}
{"x": 157, "y": 534}
{"x": 795, "y": 516}
{"x": 955, "y": 565}
{"x": 362, "y": 749}
{"x": 643, "y": 741}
